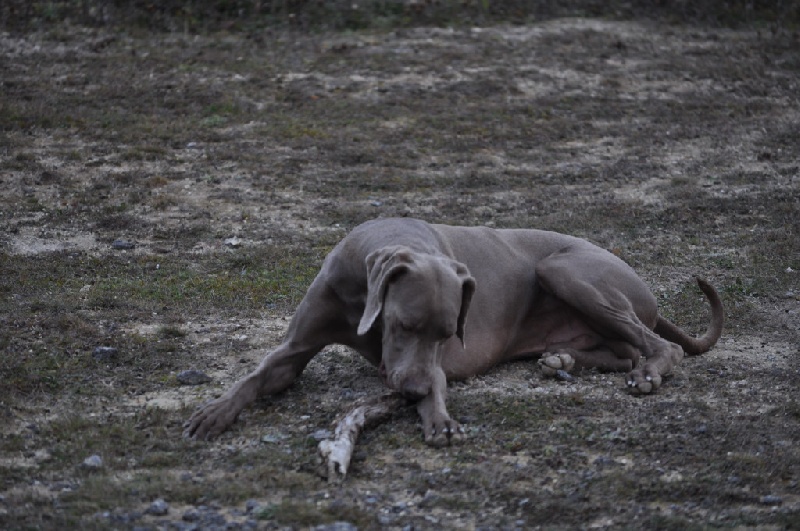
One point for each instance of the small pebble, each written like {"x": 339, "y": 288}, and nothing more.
{"x": 771, "y": 499}
{"x": 251, "y": 506}
{"x": 158, "y": 508}
{"x": 274, "y": 437}
{"x": 122, "y": 245}
{"x": 322, "y": 435}
{"x": 335, "y": 526}
{"x": 564, "y": 376}
{"x": 192, "y": 377}
{"x": 429, "y": 500}
{"x": 104, "y": 353}
{"x": 603, "y": 460}
{"x": 93, "y": 462}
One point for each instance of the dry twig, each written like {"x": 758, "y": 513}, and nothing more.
{"x": 335, "y": 453}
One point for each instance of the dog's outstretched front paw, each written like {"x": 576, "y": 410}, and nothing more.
{"x": 552, "y": 363}
{"x": 642, "y": 381}
{"x": 443, "y": 432}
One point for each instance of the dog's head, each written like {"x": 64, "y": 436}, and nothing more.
{"x": 422, "y": 301}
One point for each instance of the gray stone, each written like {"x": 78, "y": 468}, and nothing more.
{"x": 336, "y": 526}
{"x": 104, "y": 353}
{"x": 771, "y": 499}
{"x": 564, "y": 376}
{"x": 158, "y": 508}
{"x": 122, "y": 245}
{"x": 93, "y": 462}
{"x": 321, "y": 435}
{"x": 192, "y": 377}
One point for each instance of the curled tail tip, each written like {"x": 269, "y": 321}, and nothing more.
{"x": 717, "y": 312}
{"x": 697, "y": 345}
{"x": 708, "y": 289}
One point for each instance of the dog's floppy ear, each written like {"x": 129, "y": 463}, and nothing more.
{"x": 382, "y": 266}
{"x": 467, "y": 290}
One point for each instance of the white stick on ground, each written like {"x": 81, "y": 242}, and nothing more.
{"x": 336, "y": 453}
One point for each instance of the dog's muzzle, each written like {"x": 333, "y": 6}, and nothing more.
{"x": 411, "y": 388}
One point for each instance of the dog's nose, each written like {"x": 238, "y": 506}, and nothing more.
{"x": 414, "y": 390}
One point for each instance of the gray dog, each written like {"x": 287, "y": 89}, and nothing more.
{"x": 431, "y": 303}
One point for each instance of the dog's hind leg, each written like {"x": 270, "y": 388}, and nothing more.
{"x": 623, "y": 358}
{"x": 616, "y": 304}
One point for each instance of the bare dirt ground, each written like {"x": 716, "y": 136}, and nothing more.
{"x": 170, "y": 196}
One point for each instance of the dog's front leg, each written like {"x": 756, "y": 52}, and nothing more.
{"x": 276, "y": 372}
{"x": 437, "y": 426}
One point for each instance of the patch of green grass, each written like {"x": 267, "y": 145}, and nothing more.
{"x": 506, "y": 411}
{"x": 289, "y": 127}
{"x": 150, "y": 478}
{"x": 283, "y": 282}
{"x": 456, "y": 503}
{"x": 115, "y": 439}
{"x": 223, "y": 108}
{"x": 214, "y": 120}
{"x": 247, "y": 280}
{"x": 12, "y": 442}
{"x": 144, "y": 152}
{"x": 305, "y": 514}
{"x": 21, "y": 161}
{"x": 220, "y": 113}
{"x": 37, "y": 371}
{"x": 671, "y": 523}
{"x": 49, "y": 341}
{"x": 171, "y": 331}
{"x": 103, "y": 492}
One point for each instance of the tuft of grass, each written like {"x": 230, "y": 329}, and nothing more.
{"x": 281, "y": 281}
{"x": 171, "y": 332}
{"x": 298, "y": 513}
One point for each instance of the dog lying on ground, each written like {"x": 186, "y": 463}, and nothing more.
{"x": 430, "y": 303}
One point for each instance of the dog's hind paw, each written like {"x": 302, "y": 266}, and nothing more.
{"x": 552, "y": 363}
{"x": 640, "y": 383}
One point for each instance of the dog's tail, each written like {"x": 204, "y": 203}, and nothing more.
{"x": 696, "y": 345}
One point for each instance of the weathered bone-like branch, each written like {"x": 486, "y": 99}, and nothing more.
{"x": 336, "y": 453}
